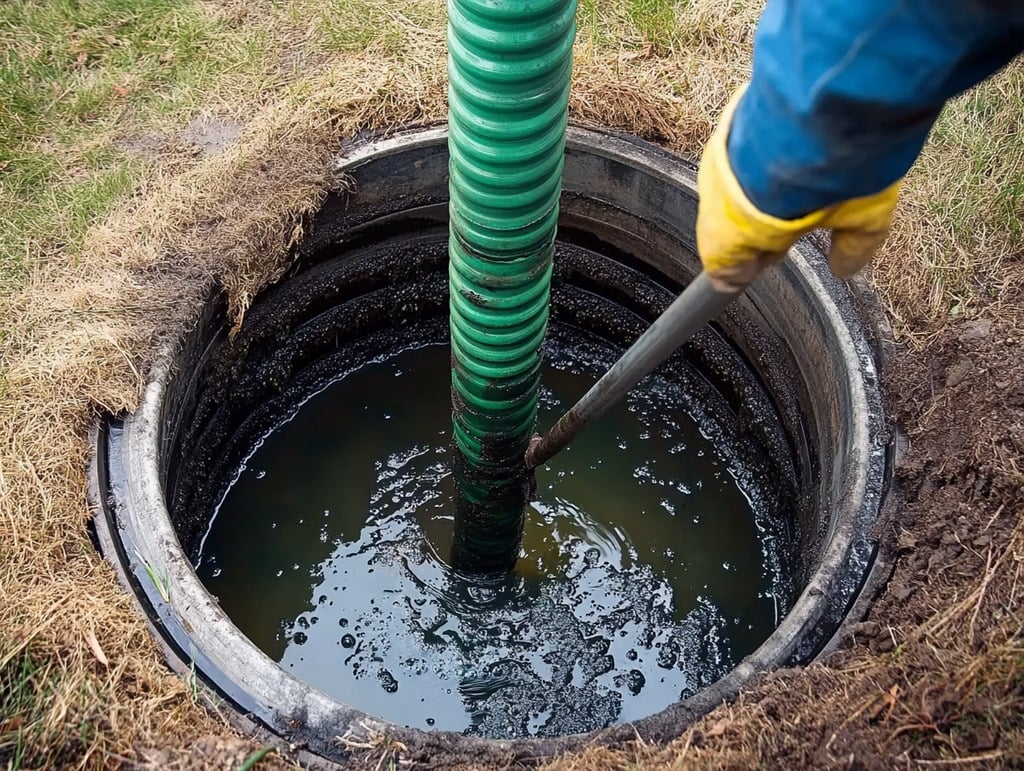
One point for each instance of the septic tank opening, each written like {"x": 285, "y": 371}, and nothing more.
{"x": 625, "y": 615}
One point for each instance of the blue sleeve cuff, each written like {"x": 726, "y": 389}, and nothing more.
{"x": 843, "y": 94}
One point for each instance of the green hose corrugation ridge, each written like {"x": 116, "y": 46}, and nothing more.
{"x": 509, "y": 64}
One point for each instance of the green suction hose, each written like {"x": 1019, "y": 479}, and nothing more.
{"x": 509, "y": 64}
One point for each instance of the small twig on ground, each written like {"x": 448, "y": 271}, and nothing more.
{"x": 856, "y": 714}
{"x": 993, "y": 755}
{"x": 989, "y": 572}
{"x": 994, "y": 517}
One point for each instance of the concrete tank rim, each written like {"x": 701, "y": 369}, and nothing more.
{"x": 153, "y": 534}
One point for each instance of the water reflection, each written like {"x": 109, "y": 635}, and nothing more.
{"x": 643, "y": 576}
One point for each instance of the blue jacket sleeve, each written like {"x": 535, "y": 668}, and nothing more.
{"x": 844, "y": 92}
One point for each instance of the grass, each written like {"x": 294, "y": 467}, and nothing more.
{"x": 354, "y": 26}
{"x": 253, "y": 760}
{"x": 19, "y": 699}
{"x": 961, "y": 214}
{"x": 631, "y": 24}
{"x": 160, "y": 581}
{"x": 111, "y": 226}
{"x": 80, "y": 77}
{"x": 665, "y": 28}
{"x": 29, "y": 684}
{"x": 655, "y": 20}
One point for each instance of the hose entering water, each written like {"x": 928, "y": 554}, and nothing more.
{"x": 509, "y": 64}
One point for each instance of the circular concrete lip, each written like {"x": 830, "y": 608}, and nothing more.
{"x": 800, "y": 297}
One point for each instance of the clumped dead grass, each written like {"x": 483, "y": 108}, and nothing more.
{"x": 671, "y": 94}
{"x": 81, "y": 680}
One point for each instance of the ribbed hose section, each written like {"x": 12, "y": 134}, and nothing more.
{"x": 509, "y": 64}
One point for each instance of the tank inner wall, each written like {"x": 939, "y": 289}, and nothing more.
{"x": 792, "y": 347}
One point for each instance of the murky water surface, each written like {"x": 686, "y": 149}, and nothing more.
{"x": 643, "y": 576}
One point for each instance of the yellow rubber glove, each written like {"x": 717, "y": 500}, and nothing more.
{"x": 736, "y": 241}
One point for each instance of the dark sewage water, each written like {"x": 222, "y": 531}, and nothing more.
{"x": 646, "y": 572}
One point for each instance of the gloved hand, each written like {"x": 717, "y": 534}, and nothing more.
{"x": 736, "y": 241}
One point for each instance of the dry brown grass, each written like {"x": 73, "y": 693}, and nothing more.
{"x": 83, "y": 682}
{"x": 86, "y": 336}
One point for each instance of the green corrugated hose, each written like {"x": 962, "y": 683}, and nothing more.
{"x": 509, "y": 64}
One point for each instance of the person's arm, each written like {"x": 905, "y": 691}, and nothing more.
{"x": 841, "y": 99}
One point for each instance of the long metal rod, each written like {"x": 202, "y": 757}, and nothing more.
{"x": 698, "y": 304}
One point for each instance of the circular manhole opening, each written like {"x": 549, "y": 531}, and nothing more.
{"x": 760, "y": 449}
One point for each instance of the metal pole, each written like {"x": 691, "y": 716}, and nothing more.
{"x": 696, "y": 306}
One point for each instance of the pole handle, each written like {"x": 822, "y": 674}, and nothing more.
{"x": 698, "y": 304}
